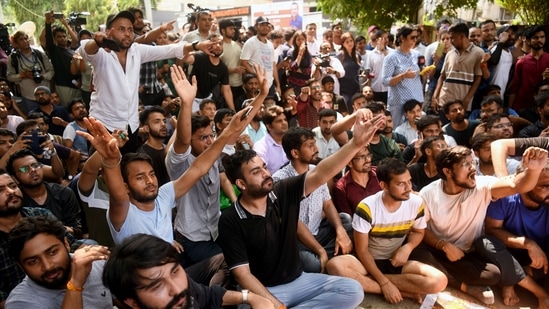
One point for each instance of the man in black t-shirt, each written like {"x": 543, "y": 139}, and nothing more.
{"x": 211, "y": 72}
{"x": 425, "y": 173}
{"x": 258, "y": 234}
{"x": 153, "y": 122}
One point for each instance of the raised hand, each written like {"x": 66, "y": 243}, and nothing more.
{"x": 185, "y": 90}
{"x": 535, "y": 158}
{"x": 102, "y": 140}
{"x": 262, "y": 78}
{"x": 364, "y": 129}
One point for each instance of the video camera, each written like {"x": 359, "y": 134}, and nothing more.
{"x": 76, "y": 20}
{"x": 191, "y": 17}
{"x": 325, "y": 60}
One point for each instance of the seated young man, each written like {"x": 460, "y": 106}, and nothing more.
{"x": 387, "y": 227}
{"x": 143, "y": 272}
{"x": 259, "y": 233}
{"x": 54, "y": 278}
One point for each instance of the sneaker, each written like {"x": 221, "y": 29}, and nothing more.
{"x": 482, "y": 293}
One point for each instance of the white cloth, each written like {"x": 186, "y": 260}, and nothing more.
{"x": 459, "y": 218}
{"x": 257, "y": 52}
{"x": 115, "y": 99}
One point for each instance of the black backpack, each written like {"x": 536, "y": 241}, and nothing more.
{"x": 15, "y": 58}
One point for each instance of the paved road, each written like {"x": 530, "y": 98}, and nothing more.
{"x": 527, "y": 300}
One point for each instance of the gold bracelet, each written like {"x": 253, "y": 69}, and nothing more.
{"x": 71, "y": 287}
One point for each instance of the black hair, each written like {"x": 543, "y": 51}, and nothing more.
{"x": 428, "y": 143}
{"x": 327, "y": 79}
{"x": 388, "y": 167}
{"x": 495, "y": 118}
{"x": 233, "y": 164}
{"x": 204, "y": 102}
{"x": 271, "y": 113}
{"x": 492, "y": 99}
{"x": 480, "y": 139}
{"x": 220, "y": 114}
{"x": 442, "y": 22}
{"x": 327, "y": 112}
{"x": 490, "y": 88}
{"x": 404, "y": 31}
{"x": 459, "y": 28}
{"x": 38, "y": 115}
{"x": 294, "y": 139}
{"x": 225, "y": 23}
{"x": 144, "y": 115}
{"x": 139, "y": 251}
{"x": 357, "y": 96}
{"x": 7, "y": 132}
{"x": 426, "y": 121}
{"x": 488, "y": 21}
{"x": 18, "y": 155}
{"x": 542, "y": 99}
{"x": 21, "y": 128}
{"x": 375, "y": 107}
{"x": 132, "y": 157}
{"x": 198, "y": 122}
{"x": 542, "y": 83}
{"x": 27, "y": 228}
{"x": 73, "y": 102}
{"x": 448, "y": 157}
{"x": 246, "y": 77}
{"x": 410, "y": 105}
{"x": 446, "y": 106}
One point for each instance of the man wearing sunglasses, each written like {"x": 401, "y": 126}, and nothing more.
{"x": 27, "y": 172}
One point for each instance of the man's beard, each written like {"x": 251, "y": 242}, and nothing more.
{"x": 157, "y": 134}
{"x": 43, "y": 101}
{"x": 262, "y": 190}
{"x": 58, "y": 283}
{"x": 8, "y": 211}
{"x": 141, "y": 197}
{"x": 184, "y": 294}
{"x": 463, "y": 184}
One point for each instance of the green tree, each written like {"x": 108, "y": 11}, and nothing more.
{"x": 363, "y": 13}
{"x": 530, "y": 12}
{"x": 32, "y": 10}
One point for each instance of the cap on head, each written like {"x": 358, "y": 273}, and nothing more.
{"x": 262, "y": 20}
{"x": 82, "y": 32}
{"x": 43, "y": 88}
{"x": 372, "y": 28}
{"x": 336, "y": 22}
{"x": 505, "y": 28}
{"x": 121, "y": 14}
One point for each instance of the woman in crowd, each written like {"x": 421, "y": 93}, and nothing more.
{"x": 349, "y": 84}
{"x": 401, "y": 73}
{"x": 299, "y": 70}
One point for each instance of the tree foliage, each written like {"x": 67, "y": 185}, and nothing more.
{"x": 363, "y": 13}
{"x": 531, "y": 12}
{"x": 33, "y": 10}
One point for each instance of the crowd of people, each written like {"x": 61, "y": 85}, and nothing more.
{"x": 269, "y": 168}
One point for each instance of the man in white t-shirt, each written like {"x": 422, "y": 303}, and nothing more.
{"x": 455, "y": 209}
{"x": 387, "y": 227}
{"x": 501, "y": 58}
{"x": 258, "y": 50}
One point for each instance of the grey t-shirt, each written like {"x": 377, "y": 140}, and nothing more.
{"x": 28, "y": 294}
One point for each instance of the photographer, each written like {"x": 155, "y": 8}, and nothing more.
{"x": 61, "y": 55}
{"x": 325, "y": 65}
{"x": 28, "y": 68}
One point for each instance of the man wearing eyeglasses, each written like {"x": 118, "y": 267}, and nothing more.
{"x": 455, "y": 208}
{"x": 24, "y": 167}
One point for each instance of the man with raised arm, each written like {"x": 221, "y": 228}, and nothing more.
{"x": 259, "y": 233}
{"x": 131, "y": 209}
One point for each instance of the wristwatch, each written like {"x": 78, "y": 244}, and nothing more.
{"x": 245, "y": 296}
{"x": 194, "y": 43}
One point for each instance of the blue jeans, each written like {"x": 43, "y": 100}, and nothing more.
{"x": 319, "y": 291}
